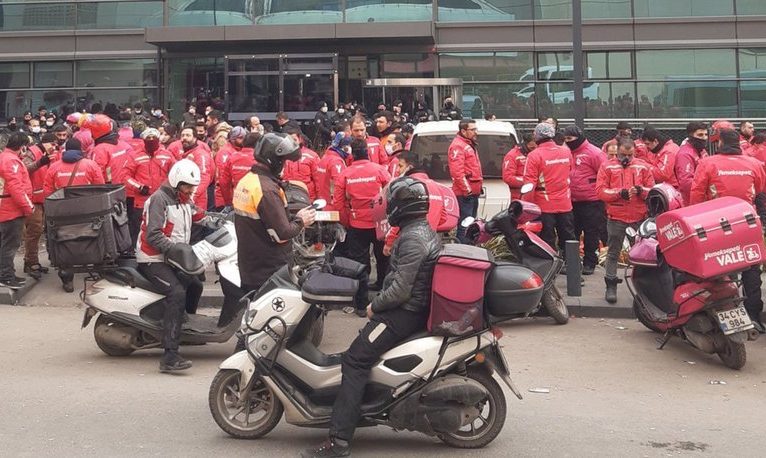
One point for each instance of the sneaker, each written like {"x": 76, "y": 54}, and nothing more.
{"x": 361, "y": 313}
{"x": 588, "y": 270}
{"x": 328, "y": 449}
{"x": 171, "y": 361}
{"x": 33, "y": 269}
{"x": 12, "y": 283}
{"x": 68, "y": 286}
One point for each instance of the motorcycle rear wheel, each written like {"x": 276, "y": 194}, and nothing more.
{"x": 104, "y": 321}
{"x": 554, "y": 304}
{"x": 490, "y": 425}
{"x": 733, "y": 354}
{"x": 228, "y": 408}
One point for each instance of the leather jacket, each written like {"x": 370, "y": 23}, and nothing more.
{"x": 408, "y": 283}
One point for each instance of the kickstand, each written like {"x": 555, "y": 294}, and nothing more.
{"x": 665, "y": 339}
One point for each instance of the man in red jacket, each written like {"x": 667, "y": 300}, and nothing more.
{"x": 514, "y": 162}
{"x": 236, "y": 140}
{"x": 237, "y": 166}
{"x": 359, "y": 130}
{"x": 147, "y": 169}
{"x": 15, "y": 205}
{"x": 588, "y": 210}
{"x": 622, "y": 183}
{"x": 192, "y": 149}
{"x": 548, "y": 168}
{"x": 305, "y": 168}
{"x": 355, "y": 190}
{"x": 331, "y": 165}
{"x": 72, "y": 170}
{"x": 730, "y": 173}
{"x": 36, "y": 158}
{"x": 110, "y": 153}
{"x": 689, "y": 156}
{"x": 465, "y": 170}
{"x": 662, "y": 156}
{"x": 746, "y": 135}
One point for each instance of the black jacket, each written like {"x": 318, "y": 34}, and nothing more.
{"x": 408, "y": 283}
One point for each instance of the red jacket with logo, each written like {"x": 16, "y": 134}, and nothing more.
{"x": 734, "y": 175}
{"x": 464, "y": 167}
{"x": 686, "y": 163}
{"x": 664, "y": 164}
{"x": 744, "y": 144}
{"x": 642, "y": 152}
{"x": 152, "y": 171}
{"x": 613, "y": 178}
{"x": 303, "y": 170}
{"x": 328, "y": 170}
{"x": 36, "y": 174}
{"x": 548, "y": 168}
{"x": 582, "y": 179}
{"x": 88, "y": 172}
{"x": 16, "y": 192}
{"x": 220, "y": 159}
{"x": 758, "y": 152}
{"x": 201, "y": 156}
{"x": 112, "y": 160}
{"x": 513, "y": 171}
{"x": 176, "y": 148}
{"x": 376, "y": 152}
{"x": 355, "y": 190}
{"x": 237, "y": 165}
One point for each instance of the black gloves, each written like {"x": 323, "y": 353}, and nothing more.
{"x": 625, "y": 194}
{"x": 639, "y": 190}
{"x": 144, "y": 190}
{"x": 45, "y": 160}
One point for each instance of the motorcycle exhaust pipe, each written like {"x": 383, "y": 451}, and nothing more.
{"x": 115, "y": 336}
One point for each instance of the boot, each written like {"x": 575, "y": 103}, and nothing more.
{"x": 172, "y": 361}
{"x": 328, "y": 449}
{"x": 611, "y": 289}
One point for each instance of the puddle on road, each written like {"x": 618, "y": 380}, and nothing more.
{"x": 686, "y": 446}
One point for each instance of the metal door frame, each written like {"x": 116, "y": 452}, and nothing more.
{"x": 441, "y": 87}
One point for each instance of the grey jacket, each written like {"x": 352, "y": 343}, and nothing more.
{"x": 408, "y": 283}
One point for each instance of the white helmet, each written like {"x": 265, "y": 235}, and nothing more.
{"x": 184, "y": 171}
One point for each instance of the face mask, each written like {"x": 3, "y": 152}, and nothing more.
{"x": 323, "y": 109}
{"x": 139, "y": 111}
{"x": 624, "y": 160}
{"x": 152, "y": 145}
{"x": 698, "y": 143}
{"x": 341, "y": 111}
{"x": 390, "y": 149}
{"x": 35, "y": 129}
{"x": 49, "y": 123}
{"x": 157, "y": 114}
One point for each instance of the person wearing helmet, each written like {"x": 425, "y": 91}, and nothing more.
{"x": 730, "y": 173}
{"x": 623, "y": 184}
{"x": 689, "y": 155}
{"x": 400, "y": 310}
{"x": 109, "y": 152}
{"x": 166, "y": 225}
{"x": 263, "y": 224}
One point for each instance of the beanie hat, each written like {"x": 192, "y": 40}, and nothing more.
{"x": 237, "y": 132}
{"x": 73, "y": 144}
{"x": 544, "y": 131}
{"x": 150, "y": 132}
{"x": 572, "y": 131}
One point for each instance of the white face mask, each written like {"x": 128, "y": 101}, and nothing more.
{"x": 35, "y": 129}
{"x": 323, "y": 109}
{"x": 390, "y": 149}
{"x": 49, "y": 123}
{"x": 341, "y": 111}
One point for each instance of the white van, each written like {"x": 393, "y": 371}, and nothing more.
{"x": 557, "y": 91}
{"x": 431, "y": 142}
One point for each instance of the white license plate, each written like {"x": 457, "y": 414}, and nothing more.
{"x": 734, "y": 320}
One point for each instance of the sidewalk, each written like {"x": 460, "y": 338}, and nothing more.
{"x": 592, "y": 303}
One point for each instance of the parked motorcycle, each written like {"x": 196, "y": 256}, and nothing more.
{"x": 519, "y": 228}
{"x": 703, "y": 309}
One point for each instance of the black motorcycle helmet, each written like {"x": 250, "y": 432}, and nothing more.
{"x": 274, "y": 149}
{"x": 406, "y": 197}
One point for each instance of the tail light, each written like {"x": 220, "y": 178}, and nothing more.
{"x": 534, "y": 281}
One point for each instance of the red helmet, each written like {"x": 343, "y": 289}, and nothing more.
{"x": 99, "y": 125}
{"x": 718, "y": 126}
{"x": 663, "y": 198}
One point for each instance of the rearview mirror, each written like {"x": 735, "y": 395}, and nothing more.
{"x": 527, "y": 188}
{"x": 319, "y": 204}
{"x": 467, "y": 221}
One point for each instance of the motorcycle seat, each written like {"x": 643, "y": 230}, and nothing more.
{"x": 416, "y": 336}
{"x": 322, "y": 288}
{"x": 136, "y": 279}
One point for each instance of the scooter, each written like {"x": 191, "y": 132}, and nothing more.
{"x": 519, "y": 227}
{"x": 439, "y": 386}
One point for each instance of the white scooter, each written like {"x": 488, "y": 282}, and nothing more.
{"x": 130, "y": 309}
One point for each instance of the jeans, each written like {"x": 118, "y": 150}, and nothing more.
{"x": 616, "y": 230}
{"x": 469, "y": 206}
{"x": 10, "y": 242}
{"x": 357, "y": 248}
{"x": 33, "y": 230}
{"x": 383, "y": 332}
{"x": 557, "y": 226}
{"x": 751, "y": 284}
{"x": 589, "y": 219}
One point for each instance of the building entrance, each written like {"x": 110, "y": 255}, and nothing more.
{"x": 430, "y": 91}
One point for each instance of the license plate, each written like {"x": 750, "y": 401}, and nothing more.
{"x": 734, "y": 320}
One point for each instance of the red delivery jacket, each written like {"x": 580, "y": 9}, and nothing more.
{"x": 328, "y": 170}
{"x": 734, "y": 175}
{"x": 513, "y": 171}
{"x": 613, "y": 178}
{"x": 16, "y": 192}
{"x": 355, "y": 190}
{"x": 548, "y": 168}
{"x": 582, "y": 179}
{"x": 151, "y": 171}
{"x": 464, "y": 167}
{"x": 303, "y": 170}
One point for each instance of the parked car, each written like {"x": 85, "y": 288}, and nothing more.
{"x": 431, "y": 142}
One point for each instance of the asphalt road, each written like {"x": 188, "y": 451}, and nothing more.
{"x": 611, "y": 394}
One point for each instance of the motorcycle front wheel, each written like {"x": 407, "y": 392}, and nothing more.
{"x": 492, "y": 411}
{"x": 250, "y": 416}
{"x": 554, "y": 304}
{"x": 733, "y": 354}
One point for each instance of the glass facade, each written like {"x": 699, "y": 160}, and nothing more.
{"x": 25, "y": 15}
{"x": 57, "y": 85}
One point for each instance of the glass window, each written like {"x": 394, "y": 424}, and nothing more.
{"x": 14, "y": 74}
{"x": 553, "y": 9}
{"x": 257, "y": 64}
{"x": 407, "y": 65}
{"x": 685, "y": 63}
{"x": 388, "y": 10}
{"x": 682, "y": 8}
{"x": 121, "y": 97}
{"x": 247, "y": 12}
{"x": 38, "y": 16}
{"x": 106, "y": 73}
{"x": 556, "y": 98}
{"x": 506, "y": 101}
{"x": 751, "y": 7}
{"x": 611, "y": 100}
{"x": 606, "y": 9}
{"x": 554, "y": 65}
{"x": 692, "y": 99}
{"x": 213, "y": 12}
{"x": 752, "y": 63}
{"x": 487, "y": 66}
{"x": 53, "y": 74}
{"x": 254, "y": 94}
{"x": 197, "y": 81}
{"x": 306, "y": 92}
{"x": 432, "y": 153}
{"x": 491, "y": 10}
{"x": 119, "y": 15}
{"x": 752, "y": 95}
{"x": 609, "y": 65}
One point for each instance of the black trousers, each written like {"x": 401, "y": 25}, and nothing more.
{"x": 10, "y": 242}
{"x": 751, "y": 284}
{"x": 557, "y": 226}
{"x": 589, "y": 219}
{"x": 134, "y": 223}
{"x": 357, "y": 248}
{"x": 382, "y": 333}
{"x": 179, "y": 290}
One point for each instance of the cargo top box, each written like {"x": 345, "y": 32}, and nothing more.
{"x": 711, "y": 239}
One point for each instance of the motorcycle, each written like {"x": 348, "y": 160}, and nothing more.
{"x": 518, "y": 226}
{"x": 705, "y": 312}
{"x": 437, "y": 385}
